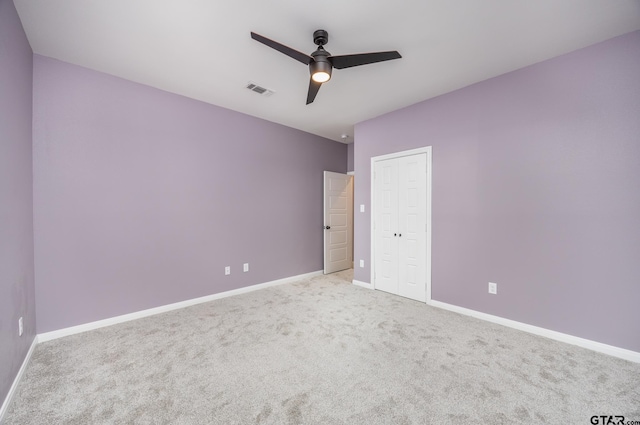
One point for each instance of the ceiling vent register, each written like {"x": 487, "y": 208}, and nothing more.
{"x": 259, "y": 89}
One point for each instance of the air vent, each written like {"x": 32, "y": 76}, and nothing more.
{"x": 259, "y": 89}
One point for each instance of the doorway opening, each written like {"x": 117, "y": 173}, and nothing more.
{"x": 338, "y": 222}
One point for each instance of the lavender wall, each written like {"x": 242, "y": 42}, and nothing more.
{"x": 17, "y": 298}
{"x": 350, "y": 157}
{"x": 142, "y": 197}
{"x": 536, "y": 179}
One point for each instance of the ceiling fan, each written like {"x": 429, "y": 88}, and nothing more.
{"x": 321, "y": 62}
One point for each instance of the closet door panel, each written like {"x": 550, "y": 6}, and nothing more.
{"x": 385, "y": 226}
{"x": 412, "y": 219}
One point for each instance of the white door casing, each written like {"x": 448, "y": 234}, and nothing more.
{"x": 401, "y": 223}
{"x": 338, "y": 221}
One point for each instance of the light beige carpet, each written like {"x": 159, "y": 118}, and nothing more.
{"x": 319, "y": 351}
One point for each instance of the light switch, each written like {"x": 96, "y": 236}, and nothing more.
{"x": 361, "y": 207}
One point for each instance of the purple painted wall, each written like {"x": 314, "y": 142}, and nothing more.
{"x": 350, "y": 157}
{"x": 142, "y": 197}
{"x": 536, "y": 186}
{"x": 17, "y": 298}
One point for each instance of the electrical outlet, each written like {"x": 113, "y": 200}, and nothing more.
{"x": 227, "y": 270}
{"x": 361, "y": 263}
{"x": 20, "y": 327}
{"x": 493, "y": 288}
{"x": 245, "y": 267}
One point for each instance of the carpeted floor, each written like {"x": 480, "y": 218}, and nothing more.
{"x": 319, "y": 351}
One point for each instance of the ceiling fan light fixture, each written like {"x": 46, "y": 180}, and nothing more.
{"x": 320, "y": 71}
{"x": 321, "y": 77}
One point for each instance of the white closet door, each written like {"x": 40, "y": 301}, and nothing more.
{"x": 386, "y": 226}
{"x": 412, "y": 219}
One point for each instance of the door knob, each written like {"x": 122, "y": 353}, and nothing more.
{"x": 395, "y": 234}
{"x": 399, "y": 235}
{"x": 327, "y": 227}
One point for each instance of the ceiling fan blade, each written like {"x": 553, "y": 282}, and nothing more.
{"x": 299, "y": 56}
{"x": 314, "y": 86}
{"x": 347, "y": 61}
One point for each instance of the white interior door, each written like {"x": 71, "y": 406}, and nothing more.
{"x": 338, "y": 221}
{"x": 412, "y": 226}
{"x": 386, "y": 226}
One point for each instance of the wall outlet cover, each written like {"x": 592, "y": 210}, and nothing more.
{"x": 493, "y": 288}
{"x": 245, "y": 267}
{"x": 227, "y": 270}
{"x": 361, "y": 263}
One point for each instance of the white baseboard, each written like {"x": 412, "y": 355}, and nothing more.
{"x": 16, "y": 381}
{"x": 622, "y": 353}
{"x": 48, "y": 336}
{"x": 363, "y": 284}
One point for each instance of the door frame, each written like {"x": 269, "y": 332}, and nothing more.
{"x": 426, "y": 150}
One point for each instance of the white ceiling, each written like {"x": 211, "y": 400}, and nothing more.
{"x": 202, "y": 48}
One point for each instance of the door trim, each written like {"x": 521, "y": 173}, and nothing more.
{"x": 426, "y": 150}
